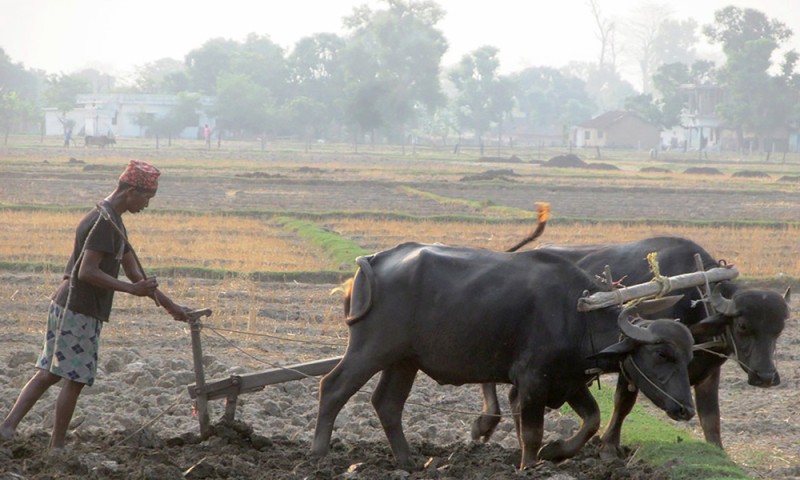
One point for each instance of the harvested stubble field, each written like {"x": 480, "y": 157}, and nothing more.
{"x": 217, "y": 225}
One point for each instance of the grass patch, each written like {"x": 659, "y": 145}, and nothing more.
{"x": 673, "y": 447}
{"x": 341, "y": 250}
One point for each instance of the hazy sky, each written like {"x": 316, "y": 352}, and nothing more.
{"x": 115, "y": 35}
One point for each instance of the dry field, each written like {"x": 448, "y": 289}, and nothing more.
{"x": 218, "y": 210}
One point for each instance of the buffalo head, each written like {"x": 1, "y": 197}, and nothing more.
{"x": 751, "y": 321}
{"x": 655, "y": 356}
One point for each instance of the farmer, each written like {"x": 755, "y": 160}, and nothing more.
{"x": 82, "y": 302}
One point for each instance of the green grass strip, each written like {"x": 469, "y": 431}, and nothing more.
{"x": 341, "y": 250}
{"x": 672, "y": 447}
{"x": 487, "y": 205}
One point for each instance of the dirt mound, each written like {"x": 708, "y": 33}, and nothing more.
{"x": 565, "y": 161}
{"x": 789, "y": 178}
{"x": 702, "y": 171}
{"x": 233, "y": 451}
{"x": 750, "y": 174}
{"x": 655, "y": 170}
{"x": 500, "y": 174}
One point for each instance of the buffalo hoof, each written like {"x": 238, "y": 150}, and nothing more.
{"x": 483, "y": 427}
{"x": 610, "y": 452}
{"x": 555, "y": 451}
{"x": 410, "y": 465}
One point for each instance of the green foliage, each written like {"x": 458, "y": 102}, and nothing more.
{"x": 546, "y": 97}
{"x": 661, "y": 443}
{"x": 62, "y": 91}
{"x": 392, "y": 63}
{"x": 341, "y": 251}
{"x": 757, "y": 102}
{"x": 483, "y": 98}
{"x": 15, "y": 112}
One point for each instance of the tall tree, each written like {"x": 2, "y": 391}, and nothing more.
{"x": 483, "y": 96}
{"x": 317, "y": 73}
{"x": 165, "y": 75}
{"x": 62, "y": 92}
{"x": 548, "y": 98}
{"x": 207, "y": 63}
{"x": 605, "y": 33}
{"x": 15, "y": 112}
{"x": 396, "y": 51}
{"x": 749, "y": 39}
{"x": 641, "y": 33}
{"x": 667, "y": 82}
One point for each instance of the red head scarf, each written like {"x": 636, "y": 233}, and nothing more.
{"x": 141, "y": 175}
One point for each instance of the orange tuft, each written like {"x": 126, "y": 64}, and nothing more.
{"x": 544, "y": 211}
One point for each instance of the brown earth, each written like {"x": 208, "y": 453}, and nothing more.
{"x": 137, "y": 421}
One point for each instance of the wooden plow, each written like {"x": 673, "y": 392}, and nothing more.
{"x": 230, "y": 388}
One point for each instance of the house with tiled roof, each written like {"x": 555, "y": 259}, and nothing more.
{"x": 617, "y": 129}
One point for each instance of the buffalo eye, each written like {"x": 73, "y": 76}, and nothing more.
{"x": 742, "y": 328}
{"x": 664, "y": 355}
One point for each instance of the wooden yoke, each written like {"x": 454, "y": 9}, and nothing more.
{"x": 619, "y": 296}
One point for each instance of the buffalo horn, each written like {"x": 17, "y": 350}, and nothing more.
{"x": 639, "y": 334}
{"x": 721, "y": 304}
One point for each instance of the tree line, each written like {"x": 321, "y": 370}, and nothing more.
{"x": 383, "y": 80}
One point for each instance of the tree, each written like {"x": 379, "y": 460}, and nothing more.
{"x": 483, "y": 96}
{"x": 262, "y": 61}
{"x": 605, "y": 34}
{"x": 62, "y": 93}
{"x": 243, "y": 106}
{"x": 675, "y": 42}
{"x": 165, "y": 75}
{"x": 604, "y": 85}
{"x": 755, "y": 101}
{"x": 15, "y": 112}
{"x": 317, "y": 73}
{"x": 548, "y": 98}
{"x": 396, "y": 52}
{"x": 205, "y": 64}
{"x": 14, "y": 77}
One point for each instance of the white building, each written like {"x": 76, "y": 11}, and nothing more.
{"x": 117, "y": 114}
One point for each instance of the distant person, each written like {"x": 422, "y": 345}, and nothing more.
{"x": 81, "y": 304}
{"x": 207, "y": 135}
{"x": 67, "y": 136}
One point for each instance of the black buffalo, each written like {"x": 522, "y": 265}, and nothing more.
{"x": 468, "y": 315}
{"x": 99, "y": 140}
{"x": 745, "y": 327}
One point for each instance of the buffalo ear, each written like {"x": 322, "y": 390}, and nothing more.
{"x": 619, "y": 349}
{"x": 713, "y": 325}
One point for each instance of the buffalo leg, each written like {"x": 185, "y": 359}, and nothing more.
{"x": 388, "y": 399}
{"x": 531, "y": 405}
{"x": 624, "y": 400}
{"x": 586, "y": 407}
{"x": 484, "y": 425}
{"x": 513, "y": 400}
{"x": 335, "y": 390}
{"x": 707, "y": 399}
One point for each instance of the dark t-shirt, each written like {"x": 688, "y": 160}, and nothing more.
{"x": 85, "y": 297}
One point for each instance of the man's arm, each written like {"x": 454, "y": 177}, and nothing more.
{"x": 132, "y": 271}
{"x": 90, "y": 272}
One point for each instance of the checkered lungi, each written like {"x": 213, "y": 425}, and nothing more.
{"x": 70, "y": 345}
